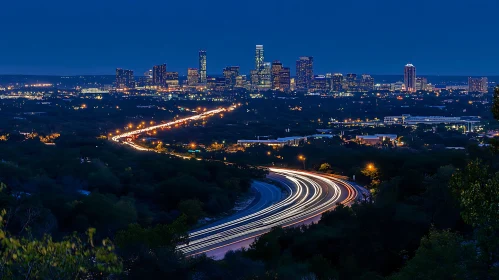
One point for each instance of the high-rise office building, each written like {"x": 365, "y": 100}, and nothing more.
{"x": 320, "y": 84}
{"x": 159, "y": 75}
{"x": 329, "y": 81}
{"x": 304, "y": 72}
{"x": 259, "y": 58}
{"x": 254, "y": 76}
{"x": 421, "y": 83}
{"x": 265, "y": 76}
{"x": 366, "y": 83}
{"x": 276, "y": 69}
{"x": 241, "y": 81}
{"x": 192, "y": 76}
{"x": 171, "y": 79}
{"x": 124, "y": 79}
{"x": 478, "y": 84}
{"x": 216, "y": 84}
{"x": 230, "y": 74}
{"x": 350, "y": 83}
{"x": 202, "y": 67}
{"x": 285, "y": 79}
{"x": 410, "y": 78}
{"x": 337, "y": 82}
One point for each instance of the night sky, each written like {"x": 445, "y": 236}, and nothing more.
{"x": 61, "y": 37}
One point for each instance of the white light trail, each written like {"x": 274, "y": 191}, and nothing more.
{"x": 310, "y": 196}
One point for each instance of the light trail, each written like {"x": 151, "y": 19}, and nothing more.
{"x": 310, "y": 195}
{"x": 118, "y": 137}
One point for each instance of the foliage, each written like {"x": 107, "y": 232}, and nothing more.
{"x": 151, "y": 253}
{"x": 372, "y": 172}
{"x": 495, "y": 112}
{"x": 478, "y": 193}
{"x": 495, "y": 105}
{"x": 325, "y": 167}
{"x": 136, "y": 236}
{"x": 441, "y": 255}
{"x": 70, "y": 258}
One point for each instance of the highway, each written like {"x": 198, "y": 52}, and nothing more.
{"x": 119, "y": 138}
{"x": 310, "y": 195}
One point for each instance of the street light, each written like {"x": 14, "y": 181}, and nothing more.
{"x": 370, "y": 166}
{"x": 302, "y": 158}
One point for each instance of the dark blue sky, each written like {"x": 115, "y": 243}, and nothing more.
{"x": 447, "y": 37}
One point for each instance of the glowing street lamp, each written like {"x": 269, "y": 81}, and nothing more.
{"x": 302, "y": 158}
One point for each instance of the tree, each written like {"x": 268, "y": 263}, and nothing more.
{"x": 478, "y": 194}
{"x": 160, "y": 148}
{"x": 71, "y": 258}
{"x": 495, "y": 105}
{"x": 495, "y": 112}
{"x": 441, "y": 255}
{"x": 193, "y": 209}
{"x": 372, "y": 172}
{"x": 325, "y": 167}
{"x": 151, "y": 253}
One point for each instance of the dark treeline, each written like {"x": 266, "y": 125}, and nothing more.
{"x": 82, "y": 183}
{"x": 432, "y": 213}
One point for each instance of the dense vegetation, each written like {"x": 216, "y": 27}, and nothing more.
{"x": 432, "y": 215}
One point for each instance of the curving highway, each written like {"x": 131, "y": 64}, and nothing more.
{"x": 119, "y": 138}
{"x": 309, "y": 195}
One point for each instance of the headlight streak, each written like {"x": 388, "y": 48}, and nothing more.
{"x": 310, "y": 196}
{"x": 192, "y": 118}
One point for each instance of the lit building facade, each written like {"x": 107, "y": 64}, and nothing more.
{"x": 366, "y": 83}
{"x": 216, "y": 84}
{"x": 410, "y": 78}
{"x": 265, "y": 76}
{"x": 320, "y": 84}
{"x": 192, "y": 76}
{"x": 480, "y": 85}
{"x": 171, "y": 79}
{"x": 304, "y": 73}
{"x": 350, "y": 83}
{"x": 285, "y": 79}
{"x": 159, "y": 75}
{"x": 337, "y": 82}
{"x": 241, "y": 81}
{"x": 124, "y": 79}
{"x": 230, "y": 75}
{"x": 421, "y": 83}
{"x": 202, "y": 67}
{"x": 259, "y": 57}
{"x": 276, "y": 70}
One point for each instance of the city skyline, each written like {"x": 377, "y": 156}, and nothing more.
{"x": 62, "y": 38}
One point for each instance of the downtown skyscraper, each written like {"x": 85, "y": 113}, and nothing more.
{"x": 202, "y": 67}
{"x": 159, "y": 75}
{"x": 276, "y": 70}
{"x": 410, "y": 78}
{"x": 304, "y": 73}
{"x": 259, "y": 58}
{"x": 124, "y": 79}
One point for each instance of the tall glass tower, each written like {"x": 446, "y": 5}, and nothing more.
{"x": 202, "y": 67}
{"x": 410, "y": 78}
{"x": 259, "y": 57}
